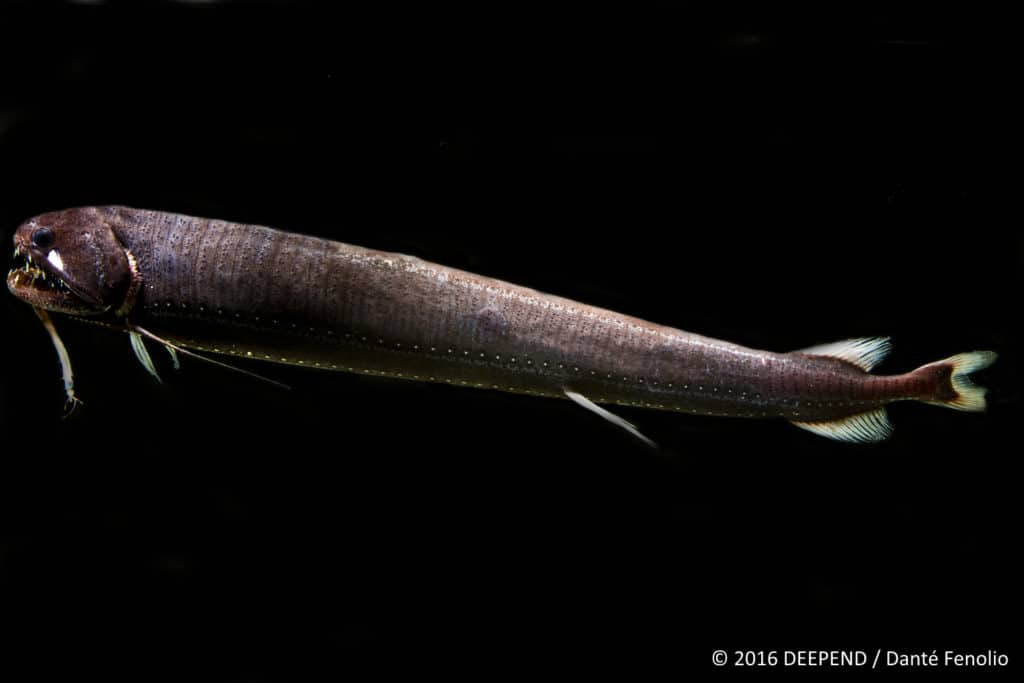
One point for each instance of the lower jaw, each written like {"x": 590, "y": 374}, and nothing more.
{"x": 21, "y": 285}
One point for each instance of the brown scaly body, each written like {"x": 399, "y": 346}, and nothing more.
{"x": 255, "y": 292}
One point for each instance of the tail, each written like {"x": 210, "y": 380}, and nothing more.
{"x": 944, "y": 383}
{"x": 950, "y": 385}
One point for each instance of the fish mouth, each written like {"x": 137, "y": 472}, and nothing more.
{"x": 38, "y": 283}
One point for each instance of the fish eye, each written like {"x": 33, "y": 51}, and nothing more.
{"x": 42, "y": 237}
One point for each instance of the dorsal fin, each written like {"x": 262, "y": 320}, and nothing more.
{"x": 865, "y": 353}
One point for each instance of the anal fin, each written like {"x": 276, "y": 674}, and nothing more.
{"x": 870, "y": 427}
{"x": 582, "y": 400}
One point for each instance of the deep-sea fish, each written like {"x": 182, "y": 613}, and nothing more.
{"x": 202, "y": 285}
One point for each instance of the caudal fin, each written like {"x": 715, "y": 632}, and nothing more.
{"x": 954, "y": 388}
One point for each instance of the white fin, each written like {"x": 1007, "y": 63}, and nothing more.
{"x": 869, "y": 427}
{"x": 582, "y": 400}
{"x": 865, "y": 353}
{"x": 135, "y": 331}
{"x": 969, "y": 396}
{"x": 174, "y": 357}
{"x": 139, "y": 347}
{"x": 65, "y": 362}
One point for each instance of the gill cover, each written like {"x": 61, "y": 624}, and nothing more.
{"x": 73, "y": 263}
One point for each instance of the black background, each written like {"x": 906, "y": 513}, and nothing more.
{"x": 775, "y": 178}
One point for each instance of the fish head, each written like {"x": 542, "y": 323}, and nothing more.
{"x": 71, "y": 261}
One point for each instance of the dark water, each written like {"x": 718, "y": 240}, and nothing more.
{"x": 775, "y": 180}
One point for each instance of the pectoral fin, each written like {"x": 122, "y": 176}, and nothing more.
{"x": 582, "y": 400}
{"x": 139, "y": 347}
{"x": 137, "y": 333}
{"x": 174, "y": 357}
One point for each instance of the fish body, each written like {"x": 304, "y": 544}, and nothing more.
{"x": 256, "y": 292}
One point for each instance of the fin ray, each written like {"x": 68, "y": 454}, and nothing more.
{"x": 135, "y": 331}
{"x": 864, "y": 352}
{"x": 174, "y": 357}
{"x": 870, "y": 427}
{"x": 968, "y": 396}
{"x": 142, "y": 353}
{"x": 622, "y": 423}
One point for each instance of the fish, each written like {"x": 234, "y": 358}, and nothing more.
{"x": 203, "y": 287}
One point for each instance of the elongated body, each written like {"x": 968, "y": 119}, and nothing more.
{"x": 255, "y": 292}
